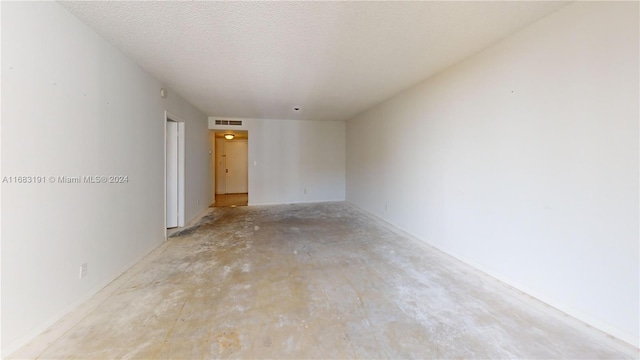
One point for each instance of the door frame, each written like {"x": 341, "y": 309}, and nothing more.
{"x": 181, "y": 168}
{"x": 219, "y": 179}
{"x": 225, "y": 128}
{"x": 226, "y": 161}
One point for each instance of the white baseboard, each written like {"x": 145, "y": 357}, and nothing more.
{"x": 296, "y": 202}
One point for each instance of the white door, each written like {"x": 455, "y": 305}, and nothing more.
{"x": 236, "y": 160}
{"x": 220, "y": 167}
{"x": 212, "y": 166}
{"x": 172, "y": 174}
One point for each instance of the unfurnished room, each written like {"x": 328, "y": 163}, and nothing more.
{"x": 320, "y": 179}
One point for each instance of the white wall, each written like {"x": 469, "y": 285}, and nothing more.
{"x": 73, "y": 105}
{"x": 523, "y": 161}
{"x": 288, "y": 156}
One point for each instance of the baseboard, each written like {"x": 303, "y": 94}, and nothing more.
{"x": 296, "y": 202}
{"x": 605, "y": 333}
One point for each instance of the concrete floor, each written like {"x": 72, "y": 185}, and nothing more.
{"x": 310, "y": 281}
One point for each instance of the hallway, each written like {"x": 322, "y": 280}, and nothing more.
{"x": 307, "y": 281}
{"x": 231, "y": 200}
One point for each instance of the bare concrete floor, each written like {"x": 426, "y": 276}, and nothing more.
{"x": 311, "y": 281}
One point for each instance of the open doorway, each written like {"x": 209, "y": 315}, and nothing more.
{"x": 174, "y": 171}
{"x": 231, "y": 168}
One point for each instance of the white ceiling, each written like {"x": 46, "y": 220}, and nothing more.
{"x": 331, "y": 59}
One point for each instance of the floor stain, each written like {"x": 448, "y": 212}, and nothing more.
{"x": 228, "y": 342}
{"x": 267, "y": 342}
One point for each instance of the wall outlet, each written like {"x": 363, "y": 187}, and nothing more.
{"x": 83, "y": 270}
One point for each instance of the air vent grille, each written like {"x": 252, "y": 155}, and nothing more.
{"x": 229, "y": 122}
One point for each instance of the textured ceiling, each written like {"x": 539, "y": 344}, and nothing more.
{"x": 331, "y": 59}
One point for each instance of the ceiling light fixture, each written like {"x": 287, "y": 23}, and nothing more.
{"x": 229, "y": 136}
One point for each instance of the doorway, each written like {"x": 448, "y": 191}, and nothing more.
{"x": 174, "y": 172}
{"x": 231, "y": 168}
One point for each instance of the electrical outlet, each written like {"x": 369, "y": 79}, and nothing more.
{"x": 83, "y": 270}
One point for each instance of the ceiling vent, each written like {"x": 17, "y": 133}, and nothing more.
{"x": 229, "y": 122}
